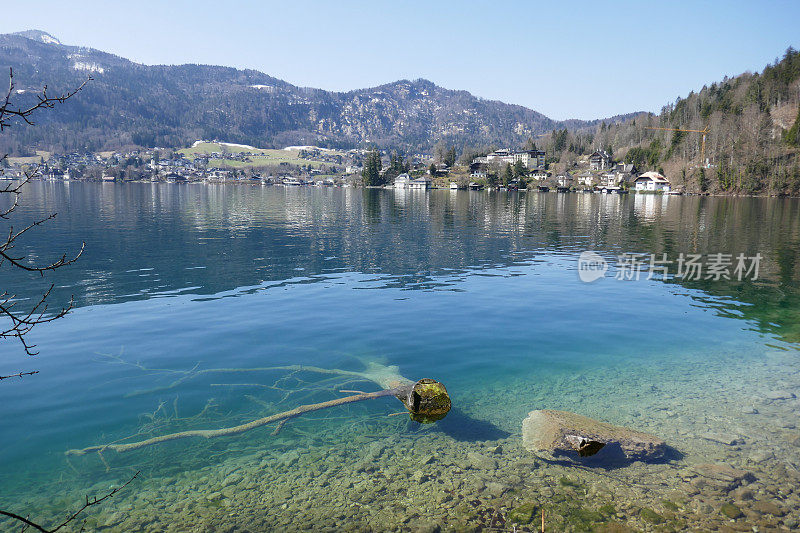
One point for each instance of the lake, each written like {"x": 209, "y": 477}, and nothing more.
{"x": 192, "y": 300}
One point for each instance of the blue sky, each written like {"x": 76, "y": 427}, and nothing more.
{"x": 564, "y": 59}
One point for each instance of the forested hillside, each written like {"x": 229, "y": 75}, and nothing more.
{"x": 132, "y": 104}
{"x": 752, "y": 145}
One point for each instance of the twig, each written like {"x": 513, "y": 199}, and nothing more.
{"x": 20, "y": 374}
{"x": 89, "y": 502}
{"x": 279, "y": 427}
{"x": 44, "y": 102}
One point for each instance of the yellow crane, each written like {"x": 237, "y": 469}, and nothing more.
{"x": 704, "y": 131}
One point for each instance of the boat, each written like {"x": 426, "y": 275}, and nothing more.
{"x": 473, "y": 186}
{"x": 453, "y": 185}
{"x": 291, "y": 181}
{"x": 108, "y": 178}
{"x": 544, "y": 188}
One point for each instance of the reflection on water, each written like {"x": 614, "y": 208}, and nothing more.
{"x": 188, "y": 295}
{"x": 147, "y": 240}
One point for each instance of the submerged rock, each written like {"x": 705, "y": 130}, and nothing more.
{"x": 522, "y": 514}
{"x": 722, "y": 476}
{"x": 481, "y": 462}
{"x": 779, "y": 395}
{"x": 289, "y": 458}
{"x": 731, "y": 511}
{"x": 727, "y": 439}
{"x": 570, "y": 434}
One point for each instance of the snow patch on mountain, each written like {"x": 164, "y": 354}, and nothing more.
{"x": 91, "y": 67}
{"x": 39, "y": 35}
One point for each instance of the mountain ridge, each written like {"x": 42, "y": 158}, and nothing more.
{"x": 129, "y": 103}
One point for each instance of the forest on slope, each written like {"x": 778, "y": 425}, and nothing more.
{"x": 128, "y": 104}
{"x": 752, "y": 144}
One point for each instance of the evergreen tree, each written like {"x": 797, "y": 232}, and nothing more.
{"x": 792, "y": 136}
{"x": 519, "y": 169}
{"x": 508, "y": 175}
{"x": 396, "y": 167}
{"x": 371, "y": 174}
{"x": 450, "y": 156}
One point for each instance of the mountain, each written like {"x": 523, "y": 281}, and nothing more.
{"x": 133, "y": 104}
{"x": 38, "y": 35}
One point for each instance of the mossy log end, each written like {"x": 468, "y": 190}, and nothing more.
{"x": 426, "y": 401}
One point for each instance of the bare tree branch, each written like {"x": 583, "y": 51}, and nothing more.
{"x": 89, "y": 502}
{"x": 20, "y": 323}
{"x": 20, "y": 374}
{"x": 44, "y": 101}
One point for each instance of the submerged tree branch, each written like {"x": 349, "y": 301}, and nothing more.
{"x": 211, "y": 433}
{"x": 426, "y": 401}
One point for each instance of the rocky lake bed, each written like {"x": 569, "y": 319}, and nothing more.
{"x": 478, "y": 291}
{"x": 732, "y": 465}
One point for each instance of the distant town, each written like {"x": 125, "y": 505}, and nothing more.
{"x": 220, "y": 162}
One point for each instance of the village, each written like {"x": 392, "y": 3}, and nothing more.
{"x": 507, "y": 169}
{"x": 218, "y": 162}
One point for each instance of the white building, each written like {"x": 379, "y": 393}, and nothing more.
{"x": 586, "y": 179}
{"x": 530, "y": 158}
{"x": 402, "y": 181}
{"x": 652, "y": 182}
{"x": 599, "y": 160}
{"x": 539, "y": 176}
{"x": 423, "y": 183}
{"x": 564, "y": 180}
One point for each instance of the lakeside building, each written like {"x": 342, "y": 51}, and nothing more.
{"x": 652, "y": 182}
{"x": 404, "y": 181}
{"x": 586, "y": 178}
{"x": 564, "y": 180}
{"x": 540, "y": 175}
{"x": 599, "y": 160}
{"x": 478, "y": 170}
{"x": 618, "y": 174}
{"x": 423, "y": 183}
{"x": 532, "y": 159}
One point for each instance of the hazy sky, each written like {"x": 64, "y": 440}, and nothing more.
{"x": 564, "y": 59}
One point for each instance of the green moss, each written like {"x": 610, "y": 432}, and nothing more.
{"x": 648, "y": 515}
{"x": 613, "y": 527}
{"x": 669, "y": 505}
{"x": 582, "y": 519}
{"x": 607, "y": 510}
{"x": 523, "y": 514}
{"x": 730, "y": 510}
{"x": 566, "y": 482}
{"x": 212, "y": 504}
{"x": 466, "y": 512}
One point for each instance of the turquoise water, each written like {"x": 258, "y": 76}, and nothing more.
{"x": 477, "y": 290}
